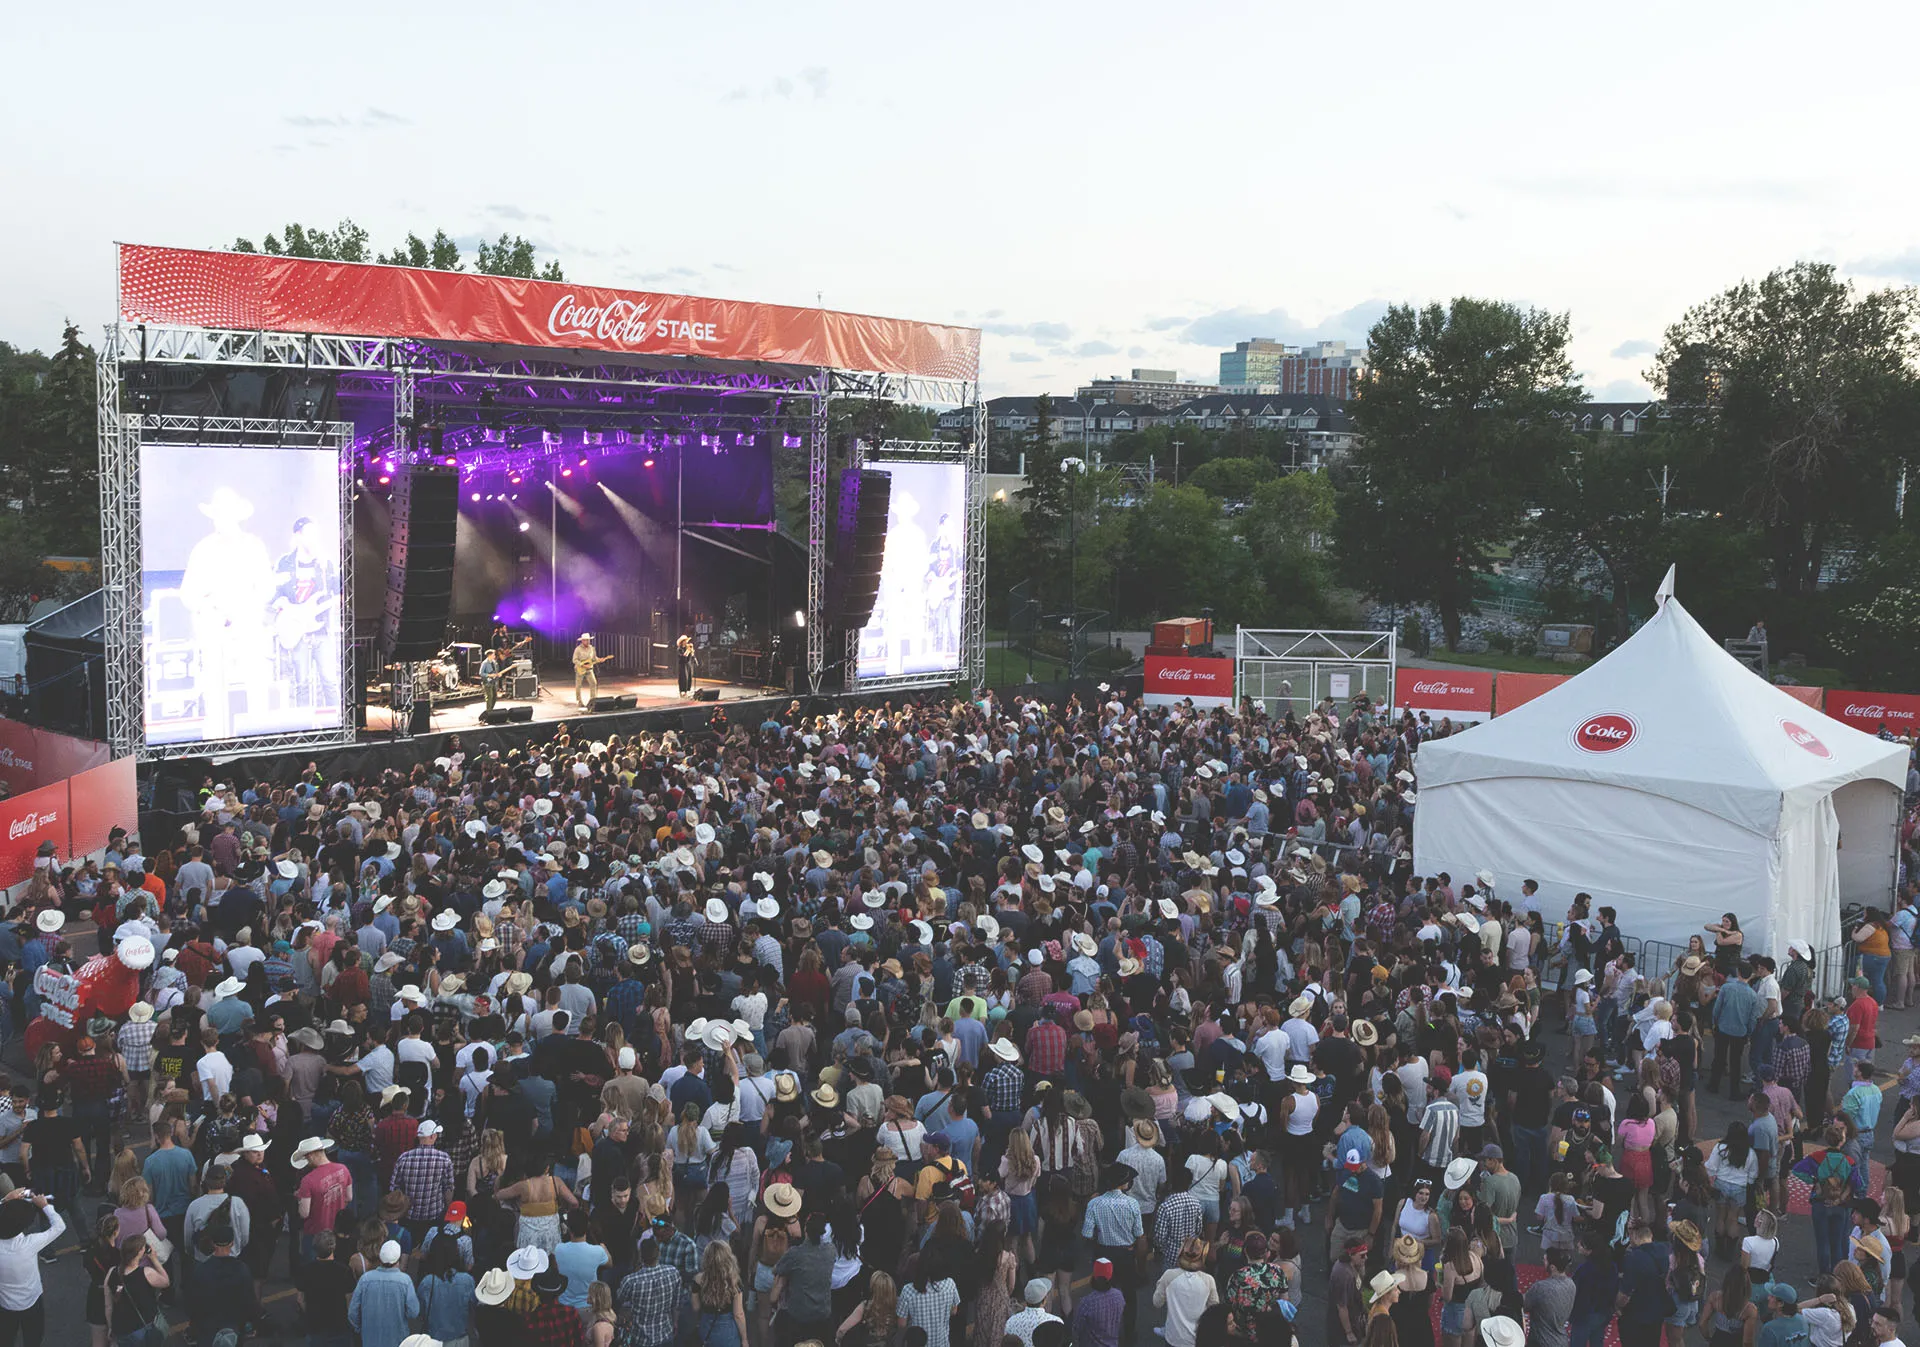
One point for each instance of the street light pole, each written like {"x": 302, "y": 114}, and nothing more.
{"x": 1074, "y": 467}
{"x": 1176, "y": 462}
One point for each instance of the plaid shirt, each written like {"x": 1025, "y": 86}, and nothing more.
{"x": 91, "y": 1078}
{"x": 1046, "y": 1048}
{"x": 623, "y": 1002}
{"x": 1112, "y": 1220}
{"x": 719, "y": 937}
{"x": 1003, "y": 1086}
{"x": 511, "y": 941}
{"x": 1793, "y": 1060}
{"x": 1839, "y": 1031}
{"x": 629, "y": 926}
{"x": 1176, "y": 1222}
{"x": 682, "y": 1253}
{"x": 1153, "y": 955}
{"x": 425, "y": 1175}
{"x": 1033, "y": 988}
{"x": 648, "y": 1306}
{"x": 555, "y": 1325}
{"x": 136, "y": 1045}
{"x": 767, "y": 950}
{"x": 1098, "y": 1316}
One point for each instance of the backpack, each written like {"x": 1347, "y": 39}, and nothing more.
{"x": 954, "y": 1187}
{"x": 1836, "y": 1190}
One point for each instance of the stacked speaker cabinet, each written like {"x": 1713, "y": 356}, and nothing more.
{"x": 426, "y": 510}
{"x": 859, "y": 547}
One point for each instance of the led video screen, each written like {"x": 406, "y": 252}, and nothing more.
{"x": 240, "y": 591}
{"x": 916, "y": 621}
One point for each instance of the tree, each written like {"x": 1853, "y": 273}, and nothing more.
{"x": 1459, "y": 418}
{"x": 1287, "y": 527}
{"x": 1231, "y": 478}
{"x": 1180, "y": 557}
{"x": 1045, "y": 499}
{"x": 1600, "y": 513}
{"x": 1802, "y": 394}
{"x": 513, "y": 256}
{"x": 1879, "y": 637}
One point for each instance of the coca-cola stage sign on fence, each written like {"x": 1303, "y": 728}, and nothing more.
{"x": 1462, "y": 697}
{"x": 1898, "y": 711}
{"x": 1174, "y": 678}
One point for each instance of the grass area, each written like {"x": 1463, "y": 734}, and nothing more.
{"x": 1010, "y": 666}
{"x": 1493, "y": 659}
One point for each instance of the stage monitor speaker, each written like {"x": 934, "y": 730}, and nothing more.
{"x": 426, "y": 511}
{"x": 421, "y": 721}
{"x": 624, "y": 701}
{"x": 859, "y": 547}
{"x": 507, "y": 715}
{"x": 706, "y": 694}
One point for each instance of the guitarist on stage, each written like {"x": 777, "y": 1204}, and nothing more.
{"x": 303, "y": 604}
{"x": 586, "y": 682}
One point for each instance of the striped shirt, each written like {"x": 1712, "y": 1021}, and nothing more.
{"x": 1442, "y": 1119}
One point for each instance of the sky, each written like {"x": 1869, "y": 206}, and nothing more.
{"x": 1097, "y": 187}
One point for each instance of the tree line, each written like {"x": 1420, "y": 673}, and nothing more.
{"x": 509, "y": 255}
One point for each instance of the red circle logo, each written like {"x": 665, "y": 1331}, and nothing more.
{"x": 1605, "y": 732}
{"x": 1806, "y": 738}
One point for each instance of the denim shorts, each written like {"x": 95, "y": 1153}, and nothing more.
{"x": 1453, "y": 1319}
{"x": 1686, "y": 1315}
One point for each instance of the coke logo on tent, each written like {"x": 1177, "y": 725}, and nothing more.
{"x": 1806, "y": 738}
{"x": 1605, "y": 733}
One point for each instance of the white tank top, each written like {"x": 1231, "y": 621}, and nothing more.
{"x": 1300, "y": 1121}
{"x": 1413, "y": 1221}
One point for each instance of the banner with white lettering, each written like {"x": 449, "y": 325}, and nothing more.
{"x": 1464, "y": 697}
{"x": 1179, "y": 678}
{"x": 1898, "y": 712}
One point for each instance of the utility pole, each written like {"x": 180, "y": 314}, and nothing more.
{"x": 1662, "y": 487}
{"x": 1176, "y": 462}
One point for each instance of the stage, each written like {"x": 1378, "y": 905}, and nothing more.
{"x": 555, "y": 702}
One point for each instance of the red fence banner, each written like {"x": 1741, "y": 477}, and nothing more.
{"x": 103, "y": 798}
{"x": 30, "y": 819}
{"x": 1514, "y": 690}
{"x": 75, "y": 815}
{"x": 1179, "y": 678}
{"x": 1460, "y": 695}
{"x": 1898, "y": 711}
{"x": 31, "y": 757}
{"x": 1809, "y": 693}
{"x": 256, "y": 292}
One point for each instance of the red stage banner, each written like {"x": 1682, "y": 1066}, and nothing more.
{"x": 1514, "y": 690}
{"x": 1806, "y": 692}
{"x": 1444, "y": 692}
{"x": 32, "y": 757}
{"x": 258, "y": 292}
{"x": 1898, "y": 711}
{"x": 30, "y": 819}
{"x": 1179, "y": 678}
{"x": 103, "y": 798}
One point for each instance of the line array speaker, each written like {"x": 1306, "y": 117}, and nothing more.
{"x": 859, "y": 547}
{"x": 426, "y": 512}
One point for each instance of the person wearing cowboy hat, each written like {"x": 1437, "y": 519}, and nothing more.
{"x": 324, "y": 1190}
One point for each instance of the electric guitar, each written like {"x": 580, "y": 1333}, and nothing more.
{"x": 297, "y": 621}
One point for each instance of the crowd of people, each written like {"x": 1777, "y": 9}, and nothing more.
{"x": 993, "y": 1023}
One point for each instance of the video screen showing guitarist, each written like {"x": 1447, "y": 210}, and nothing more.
{"x": 305, "y": 602}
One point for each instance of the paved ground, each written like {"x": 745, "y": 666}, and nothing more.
{"x": 65, "y": 1280}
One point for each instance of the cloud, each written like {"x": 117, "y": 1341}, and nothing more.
{"x": 1166, "y": 324}
{"x": 1047, "y": 334}
{"x": 1621, "y": 390}
{"x": 1086, "y": 350}
{"x": 371, "y": 119}
{"x": 811, "y": 81}
{"x": 1136, "y": 352}
{"x": 1023, "y": 357}
{"x": 1643, "y": 188}
{"x": 1626, "y": 350}
{"x": 1227, "y": 326}
{"x": 1900, "y": 267}
{"x": 515, "y": 213}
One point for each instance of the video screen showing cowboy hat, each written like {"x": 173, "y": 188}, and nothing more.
{"x": 240, "y": 591}
{"x": 915, "y": 627}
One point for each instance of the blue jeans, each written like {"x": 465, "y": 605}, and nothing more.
{"x": 1760, "y": 1047}
{"x": 1589, "y": 1330}
{"x": 1873, "y": 967}
{"x": 1830, "y": 1227}
{"x": 1530, "y": 1157}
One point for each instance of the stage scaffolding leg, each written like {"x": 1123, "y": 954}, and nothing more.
{"x": 817, "y": 534}
{"x": 119, "y": 554}
{"x": 973, "y": 640}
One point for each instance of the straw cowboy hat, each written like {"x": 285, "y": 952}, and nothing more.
{"x": 782, "y": 1199}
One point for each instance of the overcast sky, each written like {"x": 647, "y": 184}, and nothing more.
{"x": 1098, "y": 186}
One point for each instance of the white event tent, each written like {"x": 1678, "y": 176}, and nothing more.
{"x": 1673, "y": 784}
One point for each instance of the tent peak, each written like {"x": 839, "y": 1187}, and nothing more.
{"x": 1665, "y": 592}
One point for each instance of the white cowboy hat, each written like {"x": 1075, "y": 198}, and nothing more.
{"x": 1226, "y": 1104}
{"x": 140, "y": 1012}
{"x": 1500, "y": 1331}
{"x": 493, "y": 888}
{"x": 308, "y": 1148}
{"x": 1169, "y": 909}
{"x": 638, "y": 954}
{"x": 475, "y": 827}
{"x": 1800, "y": 947}
{"x": 526, "y": 1263}
{"x": 1004, "y": 1049}
{"x": 286, "y": 869}
{"x": 989, "y": 925}
{"x": 543, "y": 806}
{"x": 494, "y": 1287}
{"x": 718, "y": 1036}
{"x": 445, "y": 919}
{"x": 1085, "y": 944}
{"x": 50, "y": 920}
{"x": 716, "y": 911}
{"x": 860, "y": 921}
{"x": 1459, "y": 1171}
{"x": 230, "y": 987}
{"x": 1033, "y": 853}
{"x": 703, "y": 833}
{"x": 1300, "y": 1075}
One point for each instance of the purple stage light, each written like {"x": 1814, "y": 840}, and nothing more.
{"x": 566, "y": 472}
{"x": 790, "y": 441}
{"x": 647, "y": 463}
{"x": 528, "y": 614}
{"x": 384, "y": 479}
{"x": 524, "y": 526}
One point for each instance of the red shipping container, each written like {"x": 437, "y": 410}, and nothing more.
{"x": 1179, "y": 632}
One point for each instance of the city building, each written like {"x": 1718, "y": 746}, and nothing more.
{"x": 1262, "y": 365}
{"x": 1154, "y": 387}
{"x": 1010, "y": 420}
{"x": 1317, "y": 425}
{"x": 1617, "y": 418}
